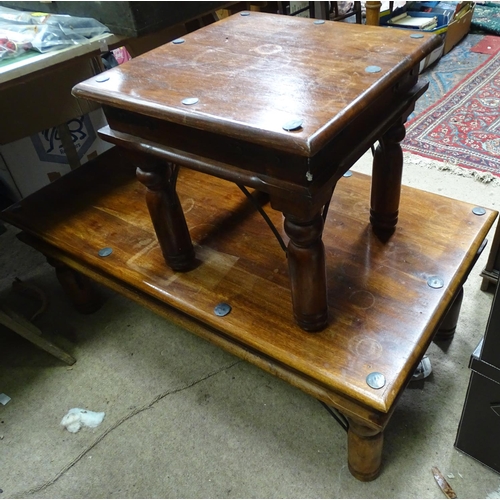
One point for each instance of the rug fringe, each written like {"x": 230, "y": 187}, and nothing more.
{"x": 484, "y": 177}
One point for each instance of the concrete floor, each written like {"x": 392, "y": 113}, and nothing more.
{"x": 186, "y": 420}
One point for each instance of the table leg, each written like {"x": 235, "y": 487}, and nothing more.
{"x": 364, "y": 451}
{"x": 160, "y": 178}
{"x": 306, "y": 266}
{"x": 447, "y": 328}
{"x": 386, "y": 180}
{"x": 78, "y": 287}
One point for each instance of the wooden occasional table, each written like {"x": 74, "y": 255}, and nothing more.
{"x": 386, "y": 299}
{"x": 281, "y": 104}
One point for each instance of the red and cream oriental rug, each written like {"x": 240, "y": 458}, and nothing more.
{"x": 462, "y": 130}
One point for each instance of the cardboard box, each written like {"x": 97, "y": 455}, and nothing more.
{"x": 451, "y": 31}
{"x": 459, "y": 27}
{"x": 431, "y": 58}
{"x": 440, "y": 30}
{"x": 28, "y": 164}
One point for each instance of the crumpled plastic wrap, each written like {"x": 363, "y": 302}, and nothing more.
{"x": 21, "y": 31}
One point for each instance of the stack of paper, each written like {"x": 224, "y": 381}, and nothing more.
{"x": 414, "y": 22}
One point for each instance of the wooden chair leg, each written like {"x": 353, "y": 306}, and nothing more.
{"x": 30, "y": 332}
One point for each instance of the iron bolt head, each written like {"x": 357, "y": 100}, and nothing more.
{"x": 478, "y": 211}
{"x": 375, "y": 380}
{"x": 435, "y": 282}
{"x": 190, "y": 100}
{"x": 222, "y": 309}
{"x": 104, "y": 252}
{"x": 293, "y": 124}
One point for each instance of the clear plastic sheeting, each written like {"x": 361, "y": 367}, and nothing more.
{"x": 22, "y": 31}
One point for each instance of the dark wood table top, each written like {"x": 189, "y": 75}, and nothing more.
{"x": 253, "y": 74}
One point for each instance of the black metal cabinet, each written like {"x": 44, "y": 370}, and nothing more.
{"x": 479, "y": 430}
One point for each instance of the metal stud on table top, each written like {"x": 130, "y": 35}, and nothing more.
{"x": 435, "y": 282}
{"x": 294, "y": 124}
{"x": 373, "y": 69}
{"x": 178, "y": 41}
{"x": 347, "y": 174}
{"x": 319, "y": 21}
{"x": 222, "y": 309}
{"x": 478, "y": 211}
{"x": 375, "y": 380}
{"x": 416, "y": 35}
{"x": 104, "y": 252}
{"x": 188, "y": 101}
{"x": 102, "y": 78}
{"x": 245, "y": 13}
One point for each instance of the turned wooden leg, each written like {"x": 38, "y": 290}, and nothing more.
{"x": 386, "y": 181}
{"x": 306, "y": 266}
{"x": 78, "y": 287}
{"x": 166, "y": 212}
{"x": 373, "y": 13}
{"x": 364, "y": 449}
{"x": 447, "y": 328}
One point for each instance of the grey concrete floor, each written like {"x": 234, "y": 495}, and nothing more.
{"x": 187, "y": 420}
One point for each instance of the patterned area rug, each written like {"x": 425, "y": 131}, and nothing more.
{"x": 463, "y": 128}
{"x": 450, "y": 70}
{"x": 490, "y": 44}
{"x": 486, "y": 18}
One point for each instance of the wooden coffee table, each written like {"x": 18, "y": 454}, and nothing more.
{"x": 281, "y": 104}
{"x": 386, "y": 298}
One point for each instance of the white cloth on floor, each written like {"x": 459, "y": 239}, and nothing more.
{"x": 78, "y": 417}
